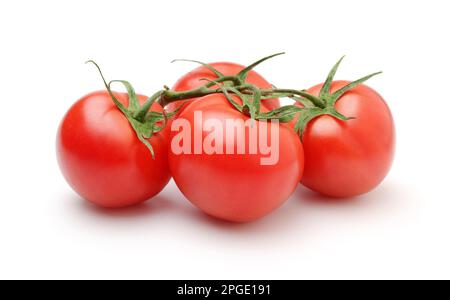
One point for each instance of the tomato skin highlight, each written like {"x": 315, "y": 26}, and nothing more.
{"x": 349, "y": 158}
{"x": 195, "y": 79}
{"x": 103, "y": 160}
{"x": 236, "y": 187}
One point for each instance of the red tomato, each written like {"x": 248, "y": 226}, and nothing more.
{"x": 194, "y": 79}
{"x": 235, "y": 187}
{"x": 102, "y": 158}
{"x": 349, "y": 158}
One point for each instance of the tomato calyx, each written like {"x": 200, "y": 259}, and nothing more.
{"x": 237, "y": 84}
{"x": 144, "y": 124}
{"x": 312, "y": 106}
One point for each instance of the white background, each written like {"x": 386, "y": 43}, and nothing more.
{"x": 401, "y": 230}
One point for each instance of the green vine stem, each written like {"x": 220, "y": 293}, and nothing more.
{"x": 146, "y": 123}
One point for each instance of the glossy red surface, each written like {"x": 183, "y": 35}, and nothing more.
{"x": 103, "y": 160}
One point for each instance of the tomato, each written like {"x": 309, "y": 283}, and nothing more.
{"x": 349, "y": 158}
{"x": 195, "y": 79}
{"x": 234, "y": 187}
{"x": 102, "y": 158}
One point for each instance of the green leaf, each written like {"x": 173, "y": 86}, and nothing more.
{"x": 309, "y": 114}
{"x": 235, "y": 91}
{"x": 327, "y": 85}
{"x": 305, "y": 117}
{"x": 287, "y": 118}
{"x": 275, "y": 112}
{"x": 303, "y": 101}
{"x": 334, "y": 113}
{"x": 257, "y": 100}
{"x": 283, "y": 114}
{"x": 208, "y": 66}
{"x": 255, "y": 105}
{"x": 244, "y": 73}
{"x": 227, "y": 81}
{"x": 247, "y": 107}
{"x": 315, "y": 100}
{"x": 227, "y": 95}
{"x": 143, "y": 111}
{"x": 133, "y": 100}
{"x": 154, "y": 116}
{"x": 143, "y": 130}
{"x": 338, "y": 94}
{"x": 119, "y": 105}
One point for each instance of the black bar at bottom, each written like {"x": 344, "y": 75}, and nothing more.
{"x": 224, "y": 289}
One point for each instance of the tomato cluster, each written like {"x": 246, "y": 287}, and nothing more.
{"x": 121, "y": 149}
